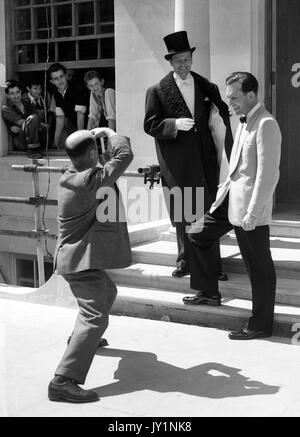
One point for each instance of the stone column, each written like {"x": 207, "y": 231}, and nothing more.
{"x": 139, "y": 31}
{"x": 139, "y": 56}
{"x": 139, "y": 59}
{"x": 193, "y": 16}
{"x": 236, "y": 41}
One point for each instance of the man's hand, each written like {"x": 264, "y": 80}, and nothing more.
{"x": 29, "y": 119}
{"x": 101, "y": 132}
{"x": 249, "y": 222}
{"x": 57, "y": 141}
{"x": 185, "y": 124}
{"x": 15, "y": 129}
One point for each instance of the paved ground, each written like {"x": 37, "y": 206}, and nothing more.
{"x": 150, "y": 369}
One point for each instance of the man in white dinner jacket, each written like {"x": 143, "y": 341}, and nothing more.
{"x": 243, "y": 202}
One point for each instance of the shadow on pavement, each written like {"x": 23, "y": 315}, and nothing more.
{"x": 142, "y": 371}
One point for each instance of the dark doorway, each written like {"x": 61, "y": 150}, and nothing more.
{"x": 286, "y": 97}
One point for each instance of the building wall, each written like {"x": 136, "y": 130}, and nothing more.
{"x": 237, "y": 41}
{"x": 139, "y": 60}
{"x": 19, "y": 217}
{"x": 229, "y": 35}
{"x": 3, "y": 133}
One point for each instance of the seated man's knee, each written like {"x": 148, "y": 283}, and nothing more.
{"x": 32, "y": 120}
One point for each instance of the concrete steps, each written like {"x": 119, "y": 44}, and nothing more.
{"x": 232, "y": 314}
{"x": 285, "y": 228}
{"x": 237, "y": 287}
{"x": 146, "y": 289}
{"x": 158, "y": 304}
{"x": 146, "y": 232}
{"x": 278, "y": 228}
{"x": 285, "y": 253}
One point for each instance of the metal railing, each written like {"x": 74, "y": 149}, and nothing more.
{"x": 39, "y": 233}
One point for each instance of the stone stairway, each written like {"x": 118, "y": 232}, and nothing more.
{"x": 147, "y": 289}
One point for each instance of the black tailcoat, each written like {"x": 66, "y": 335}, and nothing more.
{"x": 186, "y": 159}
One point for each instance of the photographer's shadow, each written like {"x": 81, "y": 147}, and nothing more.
{"x": 142, "y": 371}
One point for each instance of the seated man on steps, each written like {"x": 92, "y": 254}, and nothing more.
{"x": 89, "y": 241}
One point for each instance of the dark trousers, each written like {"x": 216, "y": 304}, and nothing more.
{"x": 255, "y": 250}
{"x": 183, "y": 247}
{"x": 28, "y": 138}
{"x": 95, "y": 293}
{"x": 68, "y": 129}
{"x": 183, "y": 244}
{"x": 210, "y": 191}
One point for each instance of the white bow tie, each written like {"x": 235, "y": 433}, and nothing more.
{"x": 186, "y": 81}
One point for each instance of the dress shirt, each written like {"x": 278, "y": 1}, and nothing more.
{"x": 187, "y": 88}
{"x": 107, "y": 105}
{"x": 249, "y": 115}
{"x": 39, "y": 103}
{"x": 253, "y": 110}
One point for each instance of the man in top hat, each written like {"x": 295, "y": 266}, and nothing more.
{"x": 177, "y": 116}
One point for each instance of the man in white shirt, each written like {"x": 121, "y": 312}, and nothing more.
{"x": 177, "y": 116}
{"x": 102, "y": 111}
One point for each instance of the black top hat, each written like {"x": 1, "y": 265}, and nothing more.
{"x": 177, "y": 43}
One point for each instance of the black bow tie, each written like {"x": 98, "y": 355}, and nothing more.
{"x": 243, "y": 119}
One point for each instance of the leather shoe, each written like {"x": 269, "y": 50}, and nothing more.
{"x": 201, "y": 299}
{"x": 247, "y": 334}
{"x": 69, "y": 391}
{"x": 180, "y": 271}
{"x": 221, "y": 276}
{"x": 102, "y": 342}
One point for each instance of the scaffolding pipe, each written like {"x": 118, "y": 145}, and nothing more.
{"x": 150, "y": 174}
{"x": 27, "y": 234}
{"x": 13, "y": 199}
{"x": 44, "y": 169}
{"x": 29, "y": 201}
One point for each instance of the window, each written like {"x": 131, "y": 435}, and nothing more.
{"x": 27, "y": 271}
{"x": 79, "y": 33}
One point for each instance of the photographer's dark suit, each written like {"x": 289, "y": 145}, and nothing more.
{"x": 86, "y": 247}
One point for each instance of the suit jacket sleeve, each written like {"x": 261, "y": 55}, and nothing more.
{"x": 211, "y": 90}
{"x": 10, "y": 116}
{"x": 114, "y": 168}
{"x": 268, "y": 160}
{"x": 156, "y": 123}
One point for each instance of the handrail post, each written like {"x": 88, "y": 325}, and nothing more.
{"x": 38, "y": 227}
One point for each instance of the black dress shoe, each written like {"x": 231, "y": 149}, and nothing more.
{"x": 69, "y": 391}
{"x": 102, "y": 342}
{"x": 247, "y": 334}
{"x": 221, "y": 276}
{"x": 202, "y": 299}
{"x": 181, "y": 271}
